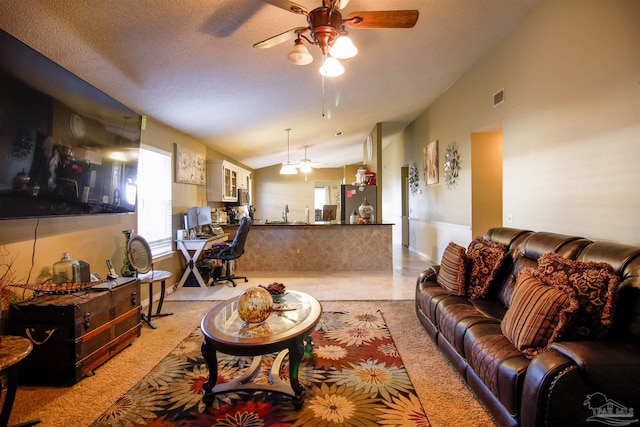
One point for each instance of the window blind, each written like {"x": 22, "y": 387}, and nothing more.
{"x": 154, "y": 199}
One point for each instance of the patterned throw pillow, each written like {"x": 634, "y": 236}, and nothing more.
{"x": 539, "y": 314}
{"x": 452, "y": 275}
{"x": 596, "y": 287}
{"x": 485, "y": 258}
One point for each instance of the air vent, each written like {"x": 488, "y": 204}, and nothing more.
{"x": 498, "y": 98}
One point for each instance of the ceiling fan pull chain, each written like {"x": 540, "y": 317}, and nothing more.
{"x": 322, "y": 96}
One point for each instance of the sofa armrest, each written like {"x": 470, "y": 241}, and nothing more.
{"x": 565, "y": 385}
{"x": 428, "y": 275}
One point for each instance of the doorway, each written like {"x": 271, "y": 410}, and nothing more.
{"x": 486, "y": 181}
{"x": 404, "y": 179}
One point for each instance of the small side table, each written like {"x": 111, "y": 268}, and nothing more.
{"x": 13, "y": 350}
{"x": 150, "y": 278}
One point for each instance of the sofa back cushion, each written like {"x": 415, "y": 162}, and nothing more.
{"x": 625, "y": 260}
{"x": 485, "y": 259}
{"x": 539, "y": 314}
{"x": 452, "y": 275}
{"x": 527, "y": 253}
{"x": 595, "y": 285}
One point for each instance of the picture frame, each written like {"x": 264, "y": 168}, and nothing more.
{"x": 190, "y": 166}
{"x": 430, "y": 163}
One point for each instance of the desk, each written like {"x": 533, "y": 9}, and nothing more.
{"x": 151, "y": 277}
{"x": 12, "y": 350}
{"x": 196, "y": 246}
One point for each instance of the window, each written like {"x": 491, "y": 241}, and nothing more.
{"x": 154, "y": 199}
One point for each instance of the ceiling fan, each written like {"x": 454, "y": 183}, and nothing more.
{"x": 326, "y": 27}
{"x": 306, "y": 165}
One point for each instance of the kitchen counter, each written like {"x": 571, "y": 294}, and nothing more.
{"x": 316, "y": 247}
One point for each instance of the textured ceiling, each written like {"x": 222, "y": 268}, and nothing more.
{"x": 191, "y": 64}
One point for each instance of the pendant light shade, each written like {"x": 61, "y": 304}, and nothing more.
{"x": 288, "y": 168}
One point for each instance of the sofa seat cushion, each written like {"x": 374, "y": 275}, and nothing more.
{"x": 455, "y": 319}
{"x": 428, "y": 295}
{"x": 595, "y": 284}
{"x": 499, "y": 365}
{"x": 485, "y": 259}
{"x": 539, "y": 314}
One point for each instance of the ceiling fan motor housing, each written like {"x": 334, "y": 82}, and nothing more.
{"x": 324, "y": 24}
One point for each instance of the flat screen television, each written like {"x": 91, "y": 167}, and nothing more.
{"x": 66, "y": 148}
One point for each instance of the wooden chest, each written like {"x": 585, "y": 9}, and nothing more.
{"x": 74, "y": 334}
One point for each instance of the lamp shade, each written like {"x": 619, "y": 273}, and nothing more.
{"x": 288, "y": 169}
{"x": 343, "y": 48}
{"x": 299, "y": 54}
{"x": 331, "y": 67}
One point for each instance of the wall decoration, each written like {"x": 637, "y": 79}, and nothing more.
{"x": 430, "y": 163}
{"x": 414, "y": 178}
{"x": 190, "y": 166}
{"x": 452, "y": 165}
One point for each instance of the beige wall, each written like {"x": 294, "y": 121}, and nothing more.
{"x": 571, "y": 159}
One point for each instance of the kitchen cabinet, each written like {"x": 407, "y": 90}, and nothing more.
{"x": 244, "y": 177}
{"x": 224, "y": 179}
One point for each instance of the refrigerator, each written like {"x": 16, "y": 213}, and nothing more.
{"x": 352, "y": 196}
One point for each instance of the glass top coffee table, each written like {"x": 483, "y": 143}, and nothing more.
{"x": 284, "y": 331}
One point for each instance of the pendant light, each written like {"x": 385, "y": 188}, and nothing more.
{"x": 288, "y": 168}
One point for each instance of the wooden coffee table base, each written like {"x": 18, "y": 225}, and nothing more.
{"x": 276, "y": 385}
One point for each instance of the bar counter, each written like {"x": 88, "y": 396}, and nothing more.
{"x": 316, "y": 247}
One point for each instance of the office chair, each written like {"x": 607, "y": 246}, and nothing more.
{"x": 230, "y": 251}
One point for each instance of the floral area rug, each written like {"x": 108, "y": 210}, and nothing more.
{"x": 354, "y": 377}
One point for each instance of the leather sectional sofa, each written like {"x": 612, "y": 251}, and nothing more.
{"x": 573, "y": 381}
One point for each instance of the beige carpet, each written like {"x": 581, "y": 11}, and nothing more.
{"x": 445, "y": 398}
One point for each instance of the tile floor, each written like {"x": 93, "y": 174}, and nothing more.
{"x": 398, "y": 284}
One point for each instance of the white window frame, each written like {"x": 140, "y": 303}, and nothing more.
{"x": 154, "y": 208}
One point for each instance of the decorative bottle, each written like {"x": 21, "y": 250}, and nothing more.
{"x": 353, "y": 219}
{"x": 66, "y": 270}
{"x": 127, "y": 270}
{"x": 366, "y": 212}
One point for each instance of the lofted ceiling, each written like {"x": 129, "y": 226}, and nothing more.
{"x": 191, "y": 64}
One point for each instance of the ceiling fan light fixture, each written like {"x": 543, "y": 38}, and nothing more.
{"x": 331, "y": 67}
{"x": 343, "y": 47}
{"x": 299, "y": 54}
{"x": 305, "y": 166}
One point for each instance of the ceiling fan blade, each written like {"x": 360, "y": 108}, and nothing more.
{"x": 288, "y": 5}
{"x": 280, "y": 38}
{"x": 383, "y": 19}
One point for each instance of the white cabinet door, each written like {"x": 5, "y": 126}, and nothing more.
{"x": 222, "y": 181}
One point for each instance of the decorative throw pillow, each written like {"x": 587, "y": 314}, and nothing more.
{"x": 596, "y": 287}
{"x": 452, "y": 275}
{"x": 538, "y": 315}
{"x": 485, "y": 258}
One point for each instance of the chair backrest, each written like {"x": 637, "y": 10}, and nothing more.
{"x": 241, "y": 237}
